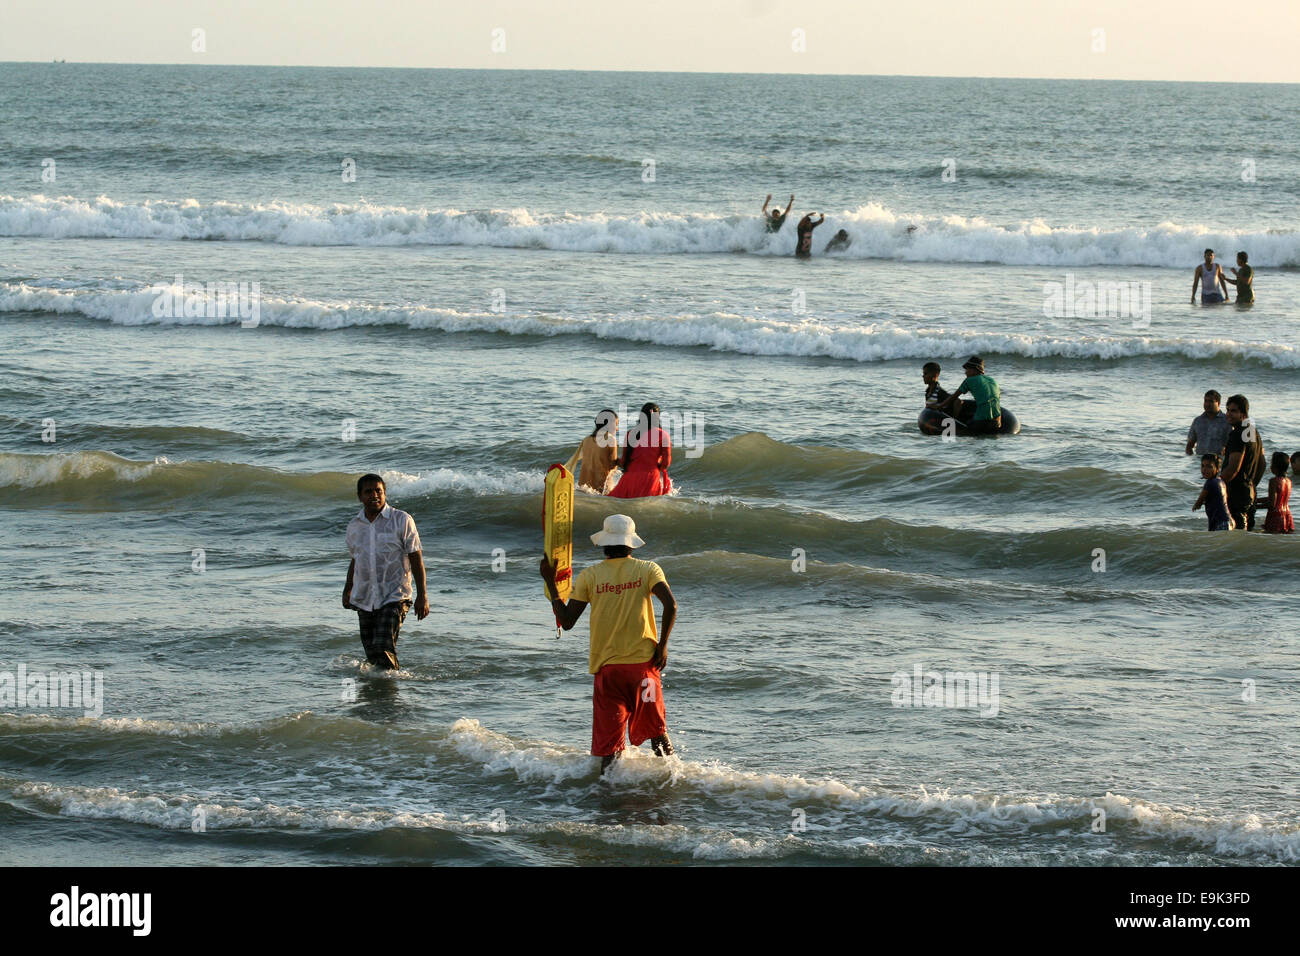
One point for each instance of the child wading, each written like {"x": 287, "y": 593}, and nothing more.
{"x": 1214, "y": 495}
{"x": 1279, "y": 520}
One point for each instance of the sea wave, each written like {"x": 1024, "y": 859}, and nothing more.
{"x": 907, "y": 534}
{"x": 841, "y": 812}
{"x": 877, "y": 232}
{"x": 720, "y": 331}
{"x": 79, "y": 473}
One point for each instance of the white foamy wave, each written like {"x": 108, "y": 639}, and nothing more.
{"x": 877, "y": 232}
{"x": 838, "y": 812}
{"x": 540, "y": 763}
{"x": 1247, "y": 836}
{"x": 48, "y": 723}
{"x": 170, "y": 811}
{"x": 473, "y": 482}
{"x": 720, "y": 331}
{"x": 178, "y": 811}
{"x": 33, "y": 471}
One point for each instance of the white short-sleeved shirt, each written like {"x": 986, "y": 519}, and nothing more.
{"x": 380, "y": 548}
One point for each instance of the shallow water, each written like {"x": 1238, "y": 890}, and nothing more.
{"x": 229, "y": 691}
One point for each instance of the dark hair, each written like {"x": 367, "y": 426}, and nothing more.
{"x": 931, "y": 367}
{"x": 617, "y": 550}
{"x": 1214, "y": 395}
{"x": 1295, "y": 456}
{"x": 1242, "y": 255}
{"x": 1209, "y": 252}
{"x": 1241, "y": 402}
{"x": 1210, "y": 460}
{"x": 604, "y": 418}
{"x": 650, "y": 416}
{"x": 1279, "y": 463}
{"x": 367, "y": 479}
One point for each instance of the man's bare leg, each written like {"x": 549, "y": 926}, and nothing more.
{"x": 662, "y": 746}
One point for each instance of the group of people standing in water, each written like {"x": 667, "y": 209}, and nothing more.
{"x": 1214, "y": 284}
{"x": 1232, "y": 463}
{"x": 640, "y": 471}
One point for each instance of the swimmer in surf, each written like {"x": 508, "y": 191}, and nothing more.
{"x": 840, "y": 240}
{"x": 1210, "y": 276}
{"x": 774, "y": 219}
{"x": 803, "y": 248}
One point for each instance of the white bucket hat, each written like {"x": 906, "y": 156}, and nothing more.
{"x": 618, "y": 529}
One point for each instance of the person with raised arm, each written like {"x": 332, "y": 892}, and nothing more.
{"x": 803, "y": 247}
{"x": 774, "y": 219}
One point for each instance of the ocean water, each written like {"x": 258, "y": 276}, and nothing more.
{"x": 175, "y": 487}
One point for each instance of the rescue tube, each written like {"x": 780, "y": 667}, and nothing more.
{"x": 930, "y": 421}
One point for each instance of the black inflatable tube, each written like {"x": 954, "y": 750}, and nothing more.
{"x": 931, "y": 422}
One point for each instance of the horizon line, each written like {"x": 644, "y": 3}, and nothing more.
{"x": 496, "y": 69}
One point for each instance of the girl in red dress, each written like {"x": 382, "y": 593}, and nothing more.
{"x": 1279, "y": 520}
{"x": 646, "y": 458}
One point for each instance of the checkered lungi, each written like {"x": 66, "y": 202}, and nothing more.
{"x": 379, "y": 629}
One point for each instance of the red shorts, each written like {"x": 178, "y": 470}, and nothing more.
{"x": 628, "y": 700}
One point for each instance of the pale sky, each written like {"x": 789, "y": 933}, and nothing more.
{"x": 1255, "y": 41}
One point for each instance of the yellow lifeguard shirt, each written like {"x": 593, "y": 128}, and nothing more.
{"x": 623, "y": 629}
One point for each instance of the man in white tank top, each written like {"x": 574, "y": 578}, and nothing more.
{"x": 1209, "y": 275}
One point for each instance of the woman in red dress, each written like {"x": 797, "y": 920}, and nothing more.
{"x": 1279, "y": 520}
{"x": 646, "y": 458}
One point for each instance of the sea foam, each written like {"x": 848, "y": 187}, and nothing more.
{"x": 877, "y": 232}
{"x": 720, "y": 331}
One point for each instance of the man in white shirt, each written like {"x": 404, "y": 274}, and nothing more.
{"x": 1210, "y": 276}
{"x": 385, "y": 549}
